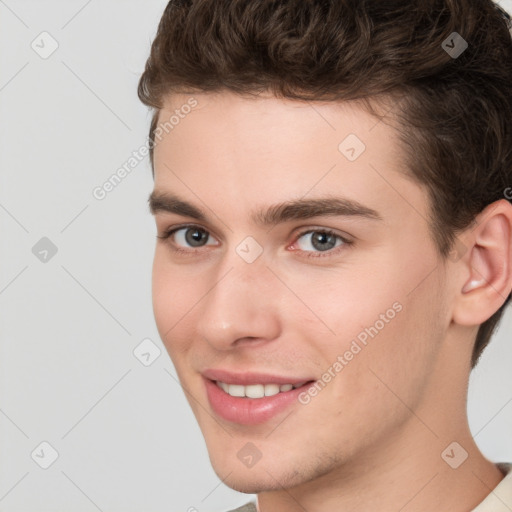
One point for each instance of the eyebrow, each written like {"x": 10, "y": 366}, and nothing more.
{"x": 274, "y": 214}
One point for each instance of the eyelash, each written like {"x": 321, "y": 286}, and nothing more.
{"x": 309, "y": 254}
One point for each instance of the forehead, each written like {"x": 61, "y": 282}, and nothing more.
{"x": 266, "y": 110}
{"x": 263, "y": 149}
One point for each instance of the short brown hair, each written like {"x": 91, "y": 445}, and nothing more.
{"x": 455, "y": 111}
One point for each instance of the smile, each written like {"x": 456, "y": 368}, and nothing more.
{"x": 256, "y": 390}
{"x": 250, "y": 404}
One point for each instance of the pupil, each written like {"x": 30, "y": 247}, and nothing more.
{"x": 321, "y": 239}
{"x": 198, "y": 236}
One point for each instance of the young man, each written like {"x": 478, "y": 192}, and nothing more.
{"x": 332, "y": 185}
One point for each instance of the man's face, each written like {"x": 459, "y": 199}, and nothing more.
{"x": 288, "y": 299}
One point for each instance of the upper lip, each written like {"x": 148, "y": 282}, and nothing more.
{"x": 246, "y": 378}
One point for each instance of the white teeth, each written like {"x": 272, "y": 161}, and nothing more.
{"x": 253, "y": 391}
{"x": 256, "y": 390}
{"x": 223, "y": 385}
{"x": 273, "y": 389}
{"x": 236, "y": 390}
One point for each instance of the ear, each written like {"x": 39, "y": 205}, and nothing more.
{"x": 486, "y": 265}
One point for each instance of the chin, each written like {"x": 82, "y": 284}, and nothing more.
{"x": 252, "y": 484}
{"x": 259, "y": 478}
{"x": 248, "y": 486}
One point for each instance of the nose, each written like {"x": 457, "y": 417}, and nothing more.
{"x": 242, "y": 305}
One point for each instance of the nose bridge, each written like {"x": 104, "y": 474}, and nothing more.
{"x": 240, "y": 303}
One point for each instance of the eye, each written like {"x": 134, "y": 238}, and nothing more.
{"x": 321, "y": 240}
{"x": 187, "y": 236}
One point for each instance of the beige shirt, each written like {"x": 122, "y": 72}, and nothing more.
{"x": 498, "y": 500}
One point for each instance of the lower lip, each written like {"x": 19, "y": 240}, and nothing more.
{"x": 250, "y": 411}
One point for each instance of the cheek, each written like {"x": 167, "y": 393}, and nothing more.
{"x": 397, "y": 359}
{"x": 174, "y": 293}
{"x": 337, "y": 305}
{"x": 387, "y": 325}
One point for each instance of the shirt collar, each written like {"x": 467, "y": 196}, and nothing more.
{"x": 500, "y": 498}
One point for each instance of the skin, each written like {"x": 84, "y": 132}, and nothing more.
{"x": 374, "y": 435}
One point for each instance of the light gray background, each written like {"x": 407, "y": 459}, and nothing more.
{"x": 126, "y": 437}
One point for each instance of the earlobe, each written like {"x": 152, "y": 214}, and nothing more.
{"x": 487, "y": 266}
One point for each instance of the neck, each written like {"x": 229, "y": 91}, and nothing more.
{"x": 411, "y": 473}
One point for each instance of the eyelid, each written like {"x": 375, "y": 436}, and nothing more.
{"x": 323, "y": 229}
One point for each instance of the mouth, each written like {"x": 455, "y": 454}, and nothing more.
{"x": 252, "y": 404}
{"x": 255, "y": 391}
